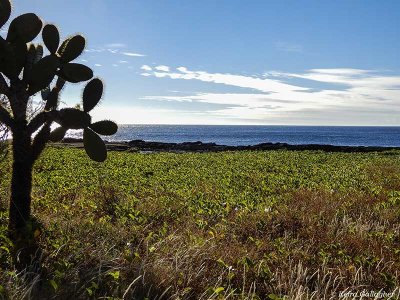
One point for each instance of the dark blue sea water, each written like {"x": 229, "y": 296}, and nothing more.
{"x": 250, "y": 135}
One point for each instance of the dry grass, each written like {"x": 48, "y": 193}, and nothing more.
{"x": 313, "y": 244}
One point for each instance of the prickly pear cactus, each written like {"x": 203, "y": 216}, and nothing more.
{"x": 27, "y": 69}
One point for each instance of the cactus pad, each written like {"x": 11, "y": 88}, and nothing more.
{"x": 76, "y": 72}
{"x": 92, "y": 94}
{"x": 57, "y": 134}
{"x": 72, "y": 118}
{"x": 105, "y": 127}
{"x": 94, "y": 145}
{"x": 52, "y": 100}
{"x": 20, "y": 51}
{"x": 71, "y": 48}
{"x": 24, "y": 28}
{"x": 30, "y": 59}
{"x": 39, "y": 54}
{"x": 7, "y": 59}
{"x": 5, "y": 11}
{"x": 42, "y": 73}
{"x": 51, "y": 37}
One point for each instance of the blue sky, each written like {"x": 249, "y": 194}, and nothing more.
{"x": 237, "y": 62}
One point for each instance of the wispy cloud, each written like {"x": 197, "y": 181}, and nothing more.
{"x": 97, "y": 65}
{"x": 261, "y": 84}
{"x": 132, "y": 54}
{"x": 274, "y": 95}
{"x": 116, "y": 45}
{"x": 114, "y": 49}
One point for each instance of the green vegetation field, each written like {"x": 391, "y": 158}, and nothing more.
{"x": 232, "y": 225}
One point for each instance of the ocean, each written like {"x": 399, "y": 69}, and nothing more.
{"x": 250, "y": 135}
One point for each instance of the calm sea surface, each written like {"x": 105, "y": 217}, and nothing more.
{"x": 250, "y": 135}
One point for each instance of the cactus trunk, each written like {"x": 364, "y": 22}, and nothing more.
{"x": 24, "y": 72}
{"x": 21, "y": 185}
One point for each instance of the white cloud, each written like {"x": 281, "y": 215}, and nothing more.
{"x": 146, "y": 68}
{"x": 182, "y": 69}
{"x": 262, "y": 84}
{"x": 354, "y": 95}
{"x": 162, "y": 68}
{"x": 122, "y": 62}
{"x": 341, "y": 71}
{"x": 133, "y": 54}
{"x": 97, "y": 65}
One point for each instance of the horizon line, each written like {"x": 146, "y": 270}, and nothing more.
{"x": 286, "y": 125}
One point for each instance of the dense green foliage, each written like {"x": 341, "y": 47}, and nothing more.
{"x": 244, "y": 179}
{"x": 241, "y": 221}
{"x": 210, "y": 184}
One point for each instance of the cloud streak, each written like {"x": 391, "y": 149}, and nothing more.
{"x": 358, "y": 94}
{"x": 114, "y": 49}
{"x": 133, "y": 54}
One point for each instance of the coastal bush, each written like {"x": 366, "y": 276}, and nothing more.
{"x": 27, "y": 69}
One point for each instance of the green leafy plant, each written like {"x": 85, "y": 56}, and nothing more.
{"x": 26, "y": 69}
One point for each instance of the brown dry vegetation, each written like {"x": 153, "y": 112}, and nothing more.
{"x": 152, "y": 241}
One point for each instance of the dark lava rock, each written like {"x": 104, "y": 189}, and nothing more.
{"x": 141, "y": 145}
{"x": 72, "y": 140}
{"x": 213, "y": 147}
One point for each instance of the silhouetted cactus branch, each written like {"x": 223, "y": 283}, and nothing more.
{"x": 40, "y": 119}
{"x": 4, "y": 88}
{"x": 40, "y": 140}
{"x": 29, "y": 70}
{"x": 5, "y": 117}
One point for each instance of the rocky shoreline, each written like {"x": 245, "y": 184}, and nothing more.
{"x": 144, "y": 146}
